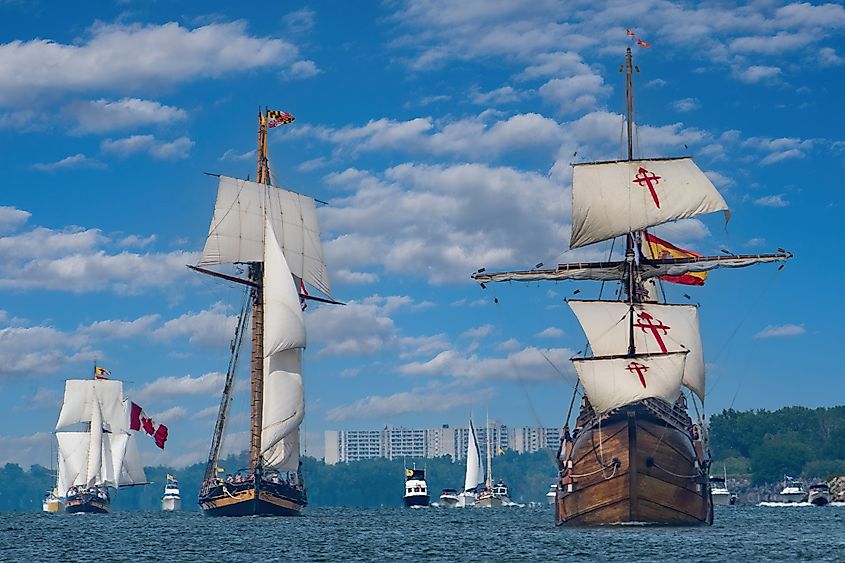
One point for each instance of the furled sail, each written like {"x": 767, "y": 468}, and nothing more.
{"x": 81, "y": 394}
{"x": 614, "y": 198}
{"x": 236, "y": 233}
{"x": 600, "y": 271}
{"x": 680, "y": 266}
{"x": 475, "y": 471}
{"x": 612, "y": 382}
{"x": 657, "y": 328}
{"x": 284, "y": 338}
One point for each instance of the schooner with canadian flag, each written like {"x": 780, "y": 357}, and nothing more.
{"x": 635, "y": 453}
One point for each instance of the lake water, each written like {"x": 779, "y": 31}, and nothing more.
{"x": 740, "y": 533}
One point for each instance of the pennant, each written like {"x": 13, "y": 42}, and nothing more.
{"x": 629, "y": 32}
{"x": 659, "y": 248}
{"x": 101, "y": 373}
{"x": 276, "y": 118}
{"x": 139, "y": 420}
{"x": 303, "y": 293}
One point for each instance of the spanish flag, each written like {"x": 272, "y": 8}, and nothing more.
{"x": 642, "y": 43}
{"x": 658, "y": 248}
{"x": 101, "y": 373}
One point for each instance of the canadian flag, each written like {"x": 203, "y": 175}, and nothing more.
{"x": 138, "y": 420}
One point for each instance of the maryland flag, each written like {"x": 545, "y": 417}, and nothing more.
{"x": 101, "y": 373}
{"x": 659, "y": 248}
{"x": 276, "y": 118}
{"x": 138, "y": 420}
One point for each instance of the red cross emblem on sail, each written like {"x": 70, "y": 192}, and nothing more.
{"x": 645, "y": 180}
{"x": 640, "y": 370}
{"x": 647, "y": 322}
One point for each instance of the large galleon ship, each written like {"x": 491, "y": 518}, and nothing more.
{"x": 635, "y": 454}
{"x": 274, "y": 233}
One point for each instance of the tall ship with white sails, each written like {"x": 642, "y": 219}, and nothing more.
{"x": 274, "y": 233}
{"x": 96, "y": 448}
{"x": 635, "y": 454}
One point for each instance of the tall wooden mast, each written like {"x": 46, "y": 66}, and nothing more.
{"x": 630, "y": 266}
{"x": 257, "y": 359}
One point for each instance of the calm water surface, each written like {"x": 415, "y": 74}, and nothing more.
{"x": 741, "y": 533}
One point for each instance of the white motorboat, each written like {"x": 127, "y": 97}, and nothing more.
{"x": 819, "y": 494}
{"x": 552, "y": 494}
{"x": 793, "y": 491}
{"x": 170, "y": 500}
{"x": 416, "y": 490}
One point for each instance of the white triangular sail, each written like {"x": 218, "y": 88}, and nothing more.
{"x": 236, "y": 233}
{"x": 613, "y": 382}
{"x": 614, "y": 198}
{"x": 475, "y": 471}
{"x": 657, "y": 328}
{"x": 80, "y": 394}
{"x": 284, "y": 338}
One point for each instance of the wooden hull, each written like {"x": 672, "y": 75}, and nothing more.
{"x": 633, "y": 466}
{"x": 268, "y": 499}
{"x": 87, "y": 503}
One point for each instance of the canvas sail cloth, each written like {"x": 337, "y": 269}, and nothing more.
{"x": 657, "y": 328}
{"x": 284, "y": 338}
{"x": 237, "y": 229}
{"x": 621, "y": 380}
{"x": 614, "y": 198}
{"x": 475, "y": 471}
{"x": 104, "y": 454}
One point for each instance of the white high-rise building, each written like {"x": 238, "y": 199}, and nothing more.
{"x": 396, "y": 442}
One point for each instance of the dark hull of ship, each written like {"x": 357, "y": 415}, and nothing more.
{"x": 417, "y": 500}
{"x": 87, "y": 503}
{"x": 268, "y": 499}
{"x": 639, "y": 463}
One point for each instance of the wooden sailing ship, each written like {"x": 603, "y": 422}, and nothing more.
{"x": 96, "y": 450}
{"x": 275, "y": 234}
{"x": 635, "y": 454}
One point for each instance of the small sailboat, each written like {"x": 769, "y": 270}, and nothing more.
{"x": 171, "y": 501}
{"x": 273, "y": 232}
{"x": 52, "y": 502}
{"x": 416, "y": 489}
{"x": 487, "y": 497}
{"x": 97, "y": 452}
{"x": 474, "y": 476}
{"x": 635, "y": 454}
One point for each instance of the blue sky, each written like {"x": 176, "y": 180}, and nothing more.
{"x": 441, "y": 134}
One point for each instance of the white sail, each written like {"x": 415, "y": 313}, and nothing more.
{"x": 475, "y": 471}
{"x": 130, "y": 471}
{"x": 657, "y": 328}
{"x": 614, "y": 198}
{"x": 236, "y": 233}
{"x": 73, "y": 460}
{"x": 284, "y": 324}
{"x": 95, "y": 446}
{"x": 283, "y": 406}
{"x": 284, "y": 337}
{"x": 80, "y": 394}
{"x": 284, "y": 455}
{"x": 616, "y": 381}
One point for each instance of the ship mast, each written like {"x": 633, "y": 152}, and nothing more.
{"x": 629, "y": 245}
{"x": 257, "y": 358}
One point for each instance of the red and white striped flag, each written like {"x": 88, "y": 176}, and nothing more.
{"x": 139, "y": 420}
